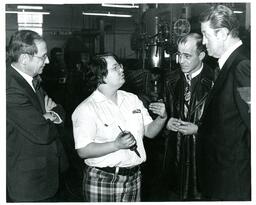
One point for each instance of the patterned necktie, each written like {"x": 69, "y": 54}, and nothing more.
{"x": 187, "y": 93}
{"x": 36, "y": 82}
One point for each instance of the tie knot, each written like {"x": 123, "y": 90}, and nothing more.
{"x": 188, "y": 78}
{"x": 36, "y": 82}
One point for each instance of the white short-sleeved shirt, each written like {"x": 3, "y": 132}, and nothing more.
{"x": 97, "y": 119}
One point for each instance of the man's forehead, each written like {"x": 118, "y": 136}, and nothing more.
{"x": 41, "y": 46}
{"x": 188, "y": 46}
{"x": 205, "y": 25}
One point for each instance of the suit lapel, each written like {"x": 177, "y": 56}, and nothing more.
{"x": 28, "y": 89}
{"x": 221, "y": 78}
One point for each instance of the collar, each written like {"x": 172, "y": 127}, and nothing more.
{"x": 27, "y": 77}
{"x": 225, "y": 56}
{"x": 100, "y": 97}
{"x": 196, "y": 73}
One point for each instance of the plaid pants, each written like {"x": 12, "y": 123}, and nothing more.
{"x": 101, "y": 186}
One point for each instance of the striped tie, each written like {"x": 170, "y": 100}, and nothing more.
{"x": 187, "y": 93}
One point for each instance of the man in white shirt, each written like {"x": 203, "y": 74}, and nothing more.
{"x": 225, "y": 125}
{"x": 108, "y": 132}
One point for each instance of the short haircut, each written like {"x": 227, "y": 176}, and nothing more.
{"x": 193, "y": 36}
{"x": 97, "y": 70}
{"x": 221, "y": 16}
{"x": 22, "y": 41}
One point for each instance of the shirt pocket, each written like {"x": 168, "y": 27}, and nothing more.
{"x": 107, "y": 131}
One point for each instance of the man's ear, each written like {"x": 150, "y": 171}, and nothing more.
{"x": 201, "y": 55}
{"x": 23, "y": 59}
{"x": 223, "y": 33}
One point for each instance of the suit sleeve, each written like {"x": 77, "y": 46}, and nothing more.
{"x": 242, "y": 90}
{"x": 27, "y": 119}
{"x": 60, "y": 111}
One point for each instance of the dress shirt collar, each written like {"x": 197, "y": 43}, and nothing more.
{"x": 196, "y": 73}
{"x": 225, "y": 56}
{"x": 100, "y": 97}
{"x": 27, "y": 77}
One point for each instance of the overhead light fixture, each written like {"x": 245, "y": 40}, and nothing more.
{"x": 30, "y": 7}
{"x": 238, "y": 12}
{"x": 27, "y": 12}
{"x": 107, "y": 14}
{"x": 120, "y": 5}
{"x": 21, "y": 9}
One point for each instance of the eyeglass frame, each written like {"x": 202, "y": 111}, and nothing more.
{"x": 117, "y": 67}
{"x": 43, "y": 58}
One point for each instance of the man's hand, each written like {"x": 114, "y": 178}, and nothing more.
{"x": 125, "y": 140}
{"x": 49, "y": 103}
{"x": 158, "y": 108}
{"x": 187, "y": 128}
{"x": 50, "y": 116}
{"x": 173, "y": 124}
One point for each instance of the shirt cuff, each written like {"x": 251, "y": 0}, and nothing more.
{"x": 57, "y": 120}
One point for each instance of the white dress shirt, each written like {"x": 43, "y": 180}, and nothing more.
{"x": 225, "y": 56}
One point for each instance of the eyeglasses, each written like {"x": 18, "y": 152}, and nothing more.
{"x": 43, "y": 58}
{"x": 117, "y": 67}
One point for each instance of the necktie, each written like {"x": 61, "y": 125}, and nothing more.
{"x": 216, "y": 72}
{"x": 187, "y": 93}
{"x": 36, "y": 82}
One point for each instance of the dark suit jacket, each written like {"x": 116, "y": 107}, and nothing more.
{"x": 34, "y": 150}
{"x": 201, "y": 85}
{"x": 186, "y": 145}
{"x": 224, "y": 134}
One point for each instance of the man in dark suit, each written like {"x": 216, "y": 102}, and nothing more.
{"x": 35, "y": 155}
{"x": 225, "y": 169}
{"x": 188, "y": 88}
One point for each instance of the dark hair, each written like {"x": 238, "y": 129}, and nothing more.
{"x": 22, "y": 41}
{"x": 221, "y": 16}
{"x": 97, "y": 70}
{"x": 197, "y": 37}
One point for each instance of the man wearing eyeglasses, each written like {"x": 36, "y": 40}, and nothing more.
{"x": 225, "y": 132}
{"x": 35, "y": 155}
{"x": 109, "y": 127}
{"x": 186, "y": 99}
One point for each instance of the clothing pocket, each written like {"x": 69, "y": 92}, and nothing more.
{"x": 32, "y": 164}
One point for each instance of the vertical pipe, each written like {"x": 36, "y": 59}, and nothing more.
{"x": 247, "y": 16}
{"x": 102, "y": 36}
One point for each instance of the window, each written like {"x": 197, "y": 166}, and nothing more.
{"x": 31, "y": 21}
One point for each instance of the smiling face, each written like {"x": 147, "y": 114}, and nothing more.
{"x": 115, "y": 76}
{"x": 212, "y": 40}
{"x": 189, "y": 58}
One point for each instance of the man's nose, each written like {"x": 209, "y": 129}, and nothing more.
{"x": 181, "y": 59}
{"x": 47, "y": 60}
{"x": 203, "y": 42}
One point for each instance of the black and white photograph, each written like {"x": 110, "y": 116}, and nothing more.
{"x": 127, "y": 101}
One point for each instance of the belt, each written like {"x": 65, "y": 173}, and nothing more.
{"x": 124, "y": 171}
